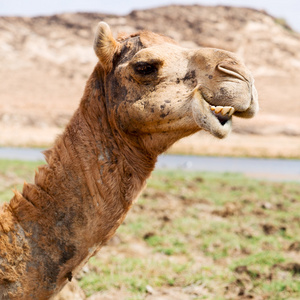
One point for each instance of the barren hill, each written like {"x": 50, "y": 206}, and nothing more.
{"x": 45, "y": 62}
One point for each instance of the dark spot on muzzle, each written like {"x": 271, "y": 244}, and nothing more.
{"x": 190, "y": 75}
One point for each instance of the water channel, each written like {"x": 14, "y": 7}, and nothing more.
{"x": 271, "y": 169}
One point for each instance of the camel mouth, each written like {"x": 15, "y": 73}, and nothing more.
{"x": 218, "y": 119}
{"x": 222, "y": 113}
{"x": 215, "y": 119}
{"x": 222, "y": 119}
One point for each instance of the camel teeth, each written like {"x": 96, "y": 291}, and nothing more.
{"x": 231, "y": 111}
{"x": 218, "y": 109}
{"x": 224, "y": 110}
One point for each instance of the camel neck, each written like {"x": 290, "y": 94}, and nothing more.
{"x": 81, "y": 196}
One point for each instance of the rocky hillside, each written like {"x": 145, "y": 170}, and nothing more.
{"x": 45, "y": 61}
{"x": 265, "y": 42}
{"x": 268, "y": 45}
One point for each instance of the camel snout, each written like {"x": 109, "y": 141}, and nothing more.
{"x": 253, "y": 108}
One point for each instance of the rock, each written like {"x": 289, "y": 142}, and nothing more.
{"x": 150, "y": 289}
{"x": 266, "y": 205}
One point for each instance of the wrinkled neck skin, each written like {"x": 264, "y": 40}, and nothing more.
{"x": 80, "y": 197}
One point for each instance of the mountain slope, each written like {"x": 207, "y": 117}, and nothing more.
{"x": 45, "y": 62}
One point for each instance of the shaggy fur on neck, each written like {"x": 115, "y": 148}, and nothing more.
{"x": 79, "y": 199}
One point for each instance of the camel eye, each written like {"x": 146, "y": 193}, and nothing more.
{"x": 144, "y": 68}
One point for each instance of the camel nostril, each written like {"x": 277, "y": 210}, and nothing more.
{"x": 231, "y": 71}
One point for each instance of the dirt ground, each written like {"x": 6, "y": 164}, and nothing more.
{"x": 191, "y": 236}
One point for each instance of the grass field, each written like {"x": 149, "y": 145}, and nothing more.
{"x": 195, "y": 236}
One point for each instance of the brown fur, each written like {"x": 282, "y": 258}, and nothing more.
{"x": 101, "y": 162}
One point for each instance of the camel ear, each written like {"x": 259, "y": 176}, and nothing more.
{"x": 105, "y": 45}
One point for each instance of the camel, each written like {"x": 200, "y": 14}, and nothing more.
{"x": 145, "y": 93}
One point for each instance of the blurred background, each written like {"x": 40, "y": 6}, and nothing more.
{"x": 46, "y": 57}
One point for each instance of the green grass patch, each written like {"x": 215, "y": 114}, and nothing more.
{"x": 209, "y": 236}
{"x": 13, "y": 174}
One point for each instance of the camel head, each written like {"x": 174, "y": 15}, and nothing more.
{"x": 153, "y": 87}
